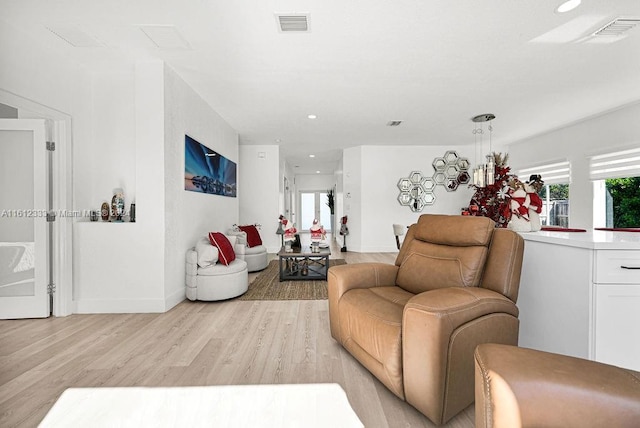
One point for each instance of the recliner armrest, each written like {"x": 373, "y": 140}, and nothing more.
{"x": 455, "y": 306}
{"x": 525, "y": 387}
{"x": 361, "y": 275}
{"x": 431, "y": 323}
{"x": 347, "y": 277}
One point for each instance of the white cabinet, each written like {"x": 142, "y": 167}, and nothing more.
{"x": 580, "y": 295}
{"x": 617, "y": 307}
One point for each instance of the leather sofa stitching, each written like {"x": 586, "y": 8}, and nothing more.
{"x": 486, "y": 409}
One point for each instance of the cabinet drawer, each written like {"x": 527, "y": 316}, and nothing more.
{"x": 617, "y": 267}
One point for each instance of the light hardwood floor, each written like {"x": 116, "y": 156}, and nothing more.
{"x": 195, "y": 343}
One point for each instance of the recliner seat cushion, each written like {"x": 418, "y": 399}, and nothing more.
{"x": 371, "y": 323}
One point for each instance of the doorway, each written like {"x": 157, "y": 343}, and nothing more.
{"x": 59, "y": 270}
{"x": 23, "y": 219}
{"x": 314, "y": 205}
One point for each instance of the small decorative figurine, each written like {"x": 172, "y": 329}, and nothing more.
{"x": 104, "y": 211}
{"x": 289, "y": 233}
{"x": 117, "y": 205}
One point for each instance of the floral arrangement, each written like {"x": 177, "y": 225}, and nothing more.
{"x": 493, "y": 200}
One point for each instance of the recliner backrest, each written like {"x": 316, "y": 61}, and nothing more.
{"x": 445, "y": 251}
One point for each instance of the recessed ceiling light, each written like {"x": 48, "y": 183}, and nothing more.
{"x": 317, "y": 172}
{"x": 312, "y": 116}
{"x": 568, "y": 6}
{"x": 312, "y": 156}
{"x": 278, "y": 140}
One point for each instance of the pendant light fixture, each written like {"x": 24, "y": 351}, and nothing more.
{"x": 484, "y": 173}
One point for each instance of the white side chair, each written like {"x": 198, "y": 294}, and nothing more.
{"x": 206, "y": 279}
{"x": 398, "y": 231}
{"x": 256, "y": 257}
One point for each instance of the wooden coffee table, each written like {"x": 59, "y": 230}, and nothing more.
{"x": 303, "y": 265}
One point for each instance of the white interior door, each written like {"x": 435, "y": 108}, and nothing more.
{"x": 23, "y": 222}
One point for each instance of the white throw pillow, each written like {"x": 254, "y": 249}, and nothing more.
{"x": 207, "y": 253}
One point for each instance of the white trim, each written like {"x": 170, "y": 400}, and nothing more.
{"x": 120, "y": 306}
{"x": 175, "y": 298}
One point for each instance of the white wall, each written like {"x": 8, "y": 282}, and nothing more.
{"x": 618, "y": 128}
{"x": 119, "y": 267}
{"x": 371, "y": 175}
{"x": 314, "y": 182}
{"x": 191, "y": 215}
{"x": 352, "y": 159}
{"x": 259, "y": 188}
{"x": 107, "y": 160}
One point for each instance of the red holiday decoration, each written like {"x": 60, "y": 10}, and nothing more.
{"x": 493, "y": 200}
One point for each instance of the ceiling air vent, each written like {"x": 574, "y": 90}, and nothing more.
{"x": 293, "y": 22}
{"x": 394, "y": 123}
{"x": 617, "y": 27}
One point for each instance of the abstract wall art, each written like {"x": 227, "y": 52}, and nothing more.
{"x": 207, "y": 171}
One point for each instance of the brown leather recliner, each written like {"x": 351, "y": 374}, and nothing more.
{"x": 519, "y": 388}
{"x": 416, "y": 324}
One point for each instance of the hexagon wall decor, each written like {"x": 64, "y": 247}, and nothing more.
{"x": 417, "y": 190}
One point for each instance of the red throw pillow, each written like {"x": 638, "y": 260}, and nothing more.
{"x": 253, "y": 236}
{"x": 225, "y": 249}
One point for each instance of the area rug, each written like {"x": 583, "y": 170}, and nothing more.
{"x": 267, "y": 286}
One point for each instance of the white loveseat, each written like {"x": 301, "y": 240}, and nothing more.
{"x": 207, "y": 279}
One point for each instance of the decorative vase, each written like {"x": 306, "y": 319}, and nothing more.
{"x": 132, "y": 213}
{"x": 104, "y": 211}
{"x": 287, "y": 247}
{"x": 117, "y": 205}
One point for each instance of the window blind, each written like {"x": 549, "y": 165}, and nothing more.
{"x": 618, "y": 164}
{"x": 557, "y": 172}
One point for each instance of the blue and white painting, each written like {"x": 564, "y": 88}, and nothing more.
{"x": 206, "y": 171}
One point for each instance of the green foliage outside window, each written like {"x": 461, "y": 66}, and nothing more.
{"x": 556, "y": 192}
{"x": 625, "y": 193}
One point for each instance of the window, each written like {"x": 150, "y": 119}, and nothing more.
{"x": 616, "y": 185}
{"x": 554, "y": 193}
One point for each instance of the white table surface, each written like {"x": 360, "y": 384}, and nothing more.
{"x": 295, "y": 405}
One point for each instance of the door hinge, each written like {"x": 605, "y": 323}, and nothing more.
{"x": 51, "y": 288}
{"x": 51, "y": 146}
{"x": 51, "y": 216}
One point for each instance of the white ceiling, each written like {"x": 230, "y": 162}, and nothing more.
{"x": 432, "y": 64}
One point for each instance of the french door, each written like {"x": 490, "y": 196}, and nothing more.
{"x": 23, "y": 219}
{"x": 314, "y": 205}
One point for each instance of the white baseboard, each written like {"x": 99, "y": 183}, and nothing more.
{"x": 175, "y": 298}
{"x": 119, "y": 306}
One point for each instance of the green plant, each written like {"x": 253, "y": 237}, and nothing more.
{"x": 330, "y": 200}
{"x": 625, "y": 193}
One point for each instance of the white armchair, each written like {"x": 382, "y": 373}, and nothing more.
{"x": 256, "y": 257}
{"x": 206, "y": 279}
